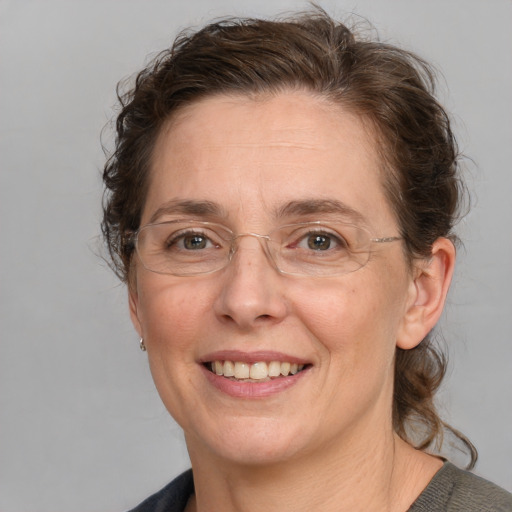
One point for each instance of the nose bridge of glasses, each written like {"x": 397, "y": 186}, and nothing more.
{"x": 263, "y": 242}
{"x": 255, "y": 235}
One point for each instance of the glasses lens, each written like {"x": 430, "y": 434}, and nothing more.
{"x": 320, "y": 249}
{"x": 183, "y": 248}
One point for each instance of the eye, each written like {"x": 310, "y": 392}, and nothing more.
{"x": 189, "y": 241}
{"x": 320, "y": 241}
{"x": 193, "y": 242}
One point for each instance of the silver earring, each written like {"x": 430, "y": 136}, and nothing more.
{"x": 142, "y": 346}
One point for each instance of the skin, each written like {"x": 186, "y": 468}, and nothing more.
{"x": 327, "y": 441}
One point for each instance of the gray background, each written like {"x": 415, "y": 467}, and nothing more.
{"x": 81, "y": 426}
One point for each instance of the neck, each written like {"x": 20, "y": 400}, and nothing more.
{"x": 384, "y": 476}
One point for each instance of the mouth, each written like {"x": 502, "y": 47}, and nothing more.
{"x": 260, "y": 371}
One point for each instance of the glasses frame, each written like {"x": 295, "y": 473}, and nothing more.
{"x": 134, "y": 239}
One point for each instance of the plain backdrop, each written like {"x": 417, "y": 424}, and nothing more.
{"x": 81, "y": 426}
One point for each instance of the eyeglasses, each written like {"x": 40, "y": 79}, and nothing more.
{"x": 190, "y": 247}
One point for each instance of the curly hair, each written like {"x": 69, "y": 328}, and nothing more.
{"x": 391, "y": 88}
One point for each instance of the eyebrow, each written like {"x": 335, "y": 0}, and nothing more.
{"x": 320, "y": 206}
{"x": 188, "y": 207}
{"x": 292, "y": 208}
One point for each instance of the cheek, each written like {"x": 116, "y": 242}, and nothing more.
{"x": 356, "y": 322}
{"x": 173, "y": 315}
{"x": 172, "y": 310}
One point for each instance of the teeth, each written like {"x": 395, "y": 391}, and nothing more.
{"x": 217, "y": 368}
{"x": 274, "y": 369}
{"x": 229, "y": 369}
{"x": 242, "y": 370}
{"x": 259, "y": 371}
{"x": 256, "y": 371}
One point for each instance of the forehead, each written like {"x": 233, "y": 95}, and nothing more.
{"x": 295, "y": 119}
{"x": 254, "y": 155}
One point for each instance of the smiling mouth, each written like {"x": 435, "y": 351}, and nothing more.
{"x": 256, "y": 372}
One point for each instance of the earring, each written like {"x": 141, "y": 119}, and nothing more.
{"x": 142, "y": 346}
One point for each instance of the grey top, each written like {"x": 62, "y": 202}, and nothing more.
{"x": 455, "y": 490}
{"x": 451, "y": 490}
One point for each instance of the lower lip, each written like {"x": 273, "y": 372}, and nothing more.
{"x": 238, "y": 389}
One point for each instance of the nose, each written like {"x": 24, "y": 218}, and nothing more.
{"x": 252, "y": 292}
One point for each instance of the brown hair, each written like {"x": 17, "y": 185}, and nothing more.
{"x": 391, "y": 88}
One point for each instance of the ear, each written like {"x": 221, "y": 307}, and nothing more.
{"x": 427, "y": 294}
{"x": 133, "y": 301}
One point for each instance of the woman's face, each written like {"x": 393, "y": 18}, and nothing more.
{"x": 254, "y": 165}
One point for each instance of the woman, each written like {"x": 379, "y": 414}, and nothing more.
{"x": 280, "y": 204}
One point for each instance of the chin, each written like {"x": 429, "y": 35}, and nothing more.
{"x": 243, "y": 442}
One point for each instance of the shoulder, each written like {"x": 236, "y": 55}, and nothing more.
{"x": 172, "y": 498}
{"x": 455, "y": 490}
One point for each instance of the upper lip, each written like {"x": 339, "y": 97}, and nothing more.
{"x": 251, "y": 357}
